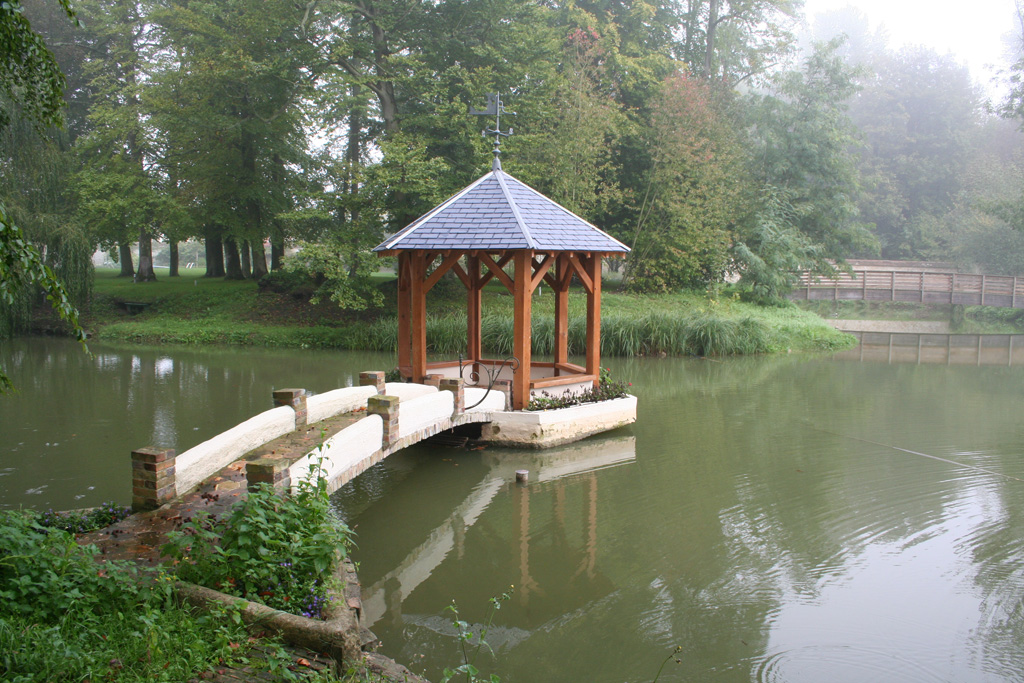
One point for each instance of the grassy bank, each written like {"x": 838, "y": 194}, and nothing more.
{"x": 193, "y": 310}
{"x": 976, "y": 319}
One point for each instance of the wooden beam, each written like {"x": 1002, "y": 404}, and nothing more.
{"x": 445, "y": 266}
{"x": 562, "y": 310}
{"x": 404, "y": 313}
{"x": 542, "y": 382}
{"x": 473, "y": 287}
{"x": 540, "y": 269}
{"x": 593, "y": 266}
{"x": 461, "y": 273}
{"x": 521, "y": 342}
{"x": 418, "y": 268}
{"x": 496, "y": 271}
{"x": 581, "y": 271}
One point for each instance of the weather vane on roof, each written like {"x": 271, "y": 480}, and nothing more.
{"x": 494, "y": 108}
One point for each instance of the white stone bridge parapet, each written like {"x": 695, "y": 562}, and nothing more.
{"x": 397, "y": 415}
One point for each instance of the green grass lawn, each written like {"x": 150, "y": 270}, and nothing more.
{"x": 191, "y": 309}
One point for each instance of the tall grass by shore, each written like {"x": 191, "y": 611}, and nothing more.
{"x": 697, "y": 333}
{"x": 190, "y": 311}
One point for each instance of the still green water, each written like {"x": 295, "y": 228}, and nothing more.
{"x": 761, "y": 515}
{"x": 780, "y": 519}
{"x": 67, "y": 433}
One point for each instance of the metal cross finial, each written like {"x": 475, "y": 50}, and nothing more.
{"x": 494, "y": 108}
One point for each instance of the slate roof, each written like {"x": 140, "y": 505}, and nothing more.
{"x": 499, "y": 212}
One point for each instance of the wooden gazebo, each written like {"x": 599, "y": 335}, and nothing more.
{"x": 494, "y": 223}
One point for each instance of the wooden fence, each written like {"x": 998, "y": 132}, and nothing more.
{"x": 915, "y": 286}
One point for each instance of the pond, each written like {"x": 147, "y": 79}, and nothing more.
{"x": 791, "y": 518}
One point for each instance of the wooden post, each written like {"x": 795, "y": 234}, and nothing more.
{"x": 521, "y": 342}
{"x": 922, "y": 286}
{"x": 473, "y": 343}
{"x": 892, "y": 286}
{"x": 982, "y": 290}
{"x": 864, "y": 285}
{"x": 404, "y": 313}
{"x": 952, "y": 288}
{"x": 593, "y": 266}
{"x": 1013, "y": 295}
{"x": 418, "y": 317}
{"x": 563, "y": 277}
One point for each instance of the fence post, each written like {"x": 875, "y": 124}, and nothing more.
{"x": 153, "y": 480}
{"x": 457, "y": 387}
{"x": 373, "y": 378}
{"x": 505, "y": 387}
{"x": 388, "y": 408}
{"x": 294, "y": 399}
{"x": 272, "y": 471}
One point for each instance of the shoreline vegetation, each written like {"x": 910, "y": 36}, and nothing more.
{"x": 191, "y": 309}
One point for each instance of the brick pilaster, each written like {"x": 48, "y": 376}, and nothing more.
{"x": 273, "y": 471}
{"x": 433, "y": 380}
{"x": 505, "y": 387}
{"x": 456, "y": 385}
{"x": 387, "y": 407}
{"x": 294, "y": 399}
{"x": 153, "y": 479}
{"x": 373, "y": 378}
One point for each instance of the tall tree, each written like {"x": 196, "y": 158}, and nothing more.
{"x": 692, "y": 195}
{"x": 803, "y": 151}
{"x": 916, "y": 112}
{"x": 228, "y": 94}
{"x": 120, "y": 180}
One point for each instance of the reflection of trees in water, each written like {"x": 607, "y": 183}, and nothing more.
{"x": 772, "y": 497}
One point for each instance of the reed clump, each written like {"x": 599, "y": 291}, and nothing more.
{"x": 654, "y": 333}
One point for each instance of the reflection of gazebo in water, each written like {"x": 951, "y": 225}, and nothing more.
{"x": 495, "y": 222}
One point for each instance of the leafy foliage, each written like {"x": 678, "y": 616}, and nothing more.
{"x": 21, "y": 266}
{"x": 66, "y": 617}
{"x": 82, "y": 521}
{"x": 693, "y": 192}
{"x": 469, "y": 651}
{"x": 273, "y": 548}
{"x": 606, "y": 390}
{"x": 29, "y": 74}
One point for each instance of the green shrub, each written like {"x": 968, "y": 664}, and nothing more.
{"x": 273, "y": 548}
{"x": 83, "y": 521}
{"x": 65, "y": 617}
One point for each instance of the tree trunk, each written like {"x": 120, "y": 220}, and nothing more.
{"x": 259, "y": 259}
{"x": 173, "y": 248}
{"x": 276, "y": 251}
{"x": 232, "y": 260}
{"x": 214, "y": 253}
{"x": 145, "y": 273}
{"x": 246, "y": 263}
{"x": 709, "y": 51}
{"x": 125, "y": 256}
